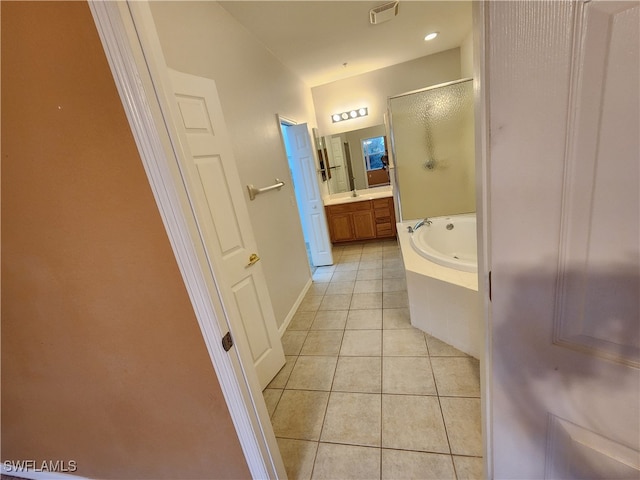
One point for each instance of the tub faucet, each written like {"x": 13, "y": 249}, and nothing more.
{"x": 355, "y": 193}
{"x": 426, "y": 221}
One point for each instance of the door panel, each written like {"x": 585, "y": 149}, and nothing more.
{"x": 363, "y": 225}
{"x": 578, "y": 453}
{"x": 249, "y": 306}
{"x": 211, "y": 172}
{"x": 341, "y": 227}
{"x": 209, "y": 169}
{"x": 339, "y": 172}
{"x": 564, "y": 178}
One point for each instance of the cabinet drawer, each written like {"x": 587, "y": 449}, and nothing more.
{"x": 382, "y": 216}
{"x": 381, "y": 203}
{"x": 384, "y": 230}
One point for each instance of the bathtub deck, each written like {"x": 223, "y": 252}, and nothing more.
{"x": 443, "y": 302}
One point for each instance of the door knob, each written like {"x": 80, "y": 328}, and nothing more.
{"x": 253, "y": 258}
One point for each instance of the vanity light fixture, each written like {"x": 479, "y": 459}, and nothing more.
{"x": 430, "y": 36}
{"x": 360, "y": 112}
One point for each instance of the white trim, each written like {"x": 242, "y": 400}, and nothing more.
{"x": 483, "y": 212}
{"x": 38, "y": 475}
{"x": 131, "y": 74}
{"x": 286, "y": 120}
{"x": 295, "y": 306}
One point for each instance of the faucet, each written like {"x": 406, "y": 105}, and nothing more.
{"x": 421, "y": 223}
{"x": 355, "y": 193}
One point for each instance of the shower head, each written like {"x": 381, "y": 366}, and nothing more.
{"x": 430, "y": 164}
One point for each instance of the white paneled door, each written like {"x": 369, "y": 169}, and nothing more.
{"x": 209, "y": 169}
{"x": 564, "y": 187}
{"x": 339, "y": 165}
{"x": 305, "y": 178}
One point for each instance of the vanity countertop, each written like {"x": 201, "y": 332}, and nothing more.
{"x": 362, "y": 195}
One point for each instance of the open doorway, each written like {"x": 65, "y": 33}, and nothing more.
{"x": 302, "y": 165}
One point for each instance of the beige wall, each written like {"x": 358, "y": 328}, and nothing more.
{"x": 372, "y": 90}
{"x": 103, "y": 361}
{"x": 466, "y": 56}
{"x": 201, "y": 38}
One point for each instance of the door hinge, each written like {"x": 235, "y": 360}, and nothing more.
{"x": 489, "y": 285}
{"x": 227, "y": 342}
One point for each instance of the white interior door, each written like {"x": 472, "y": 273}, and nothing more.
{"x": 338, "y": 164}
{"x": 300, "y": 149}
{"x": 214, "y": 186}
{"x": 565, "y": 239}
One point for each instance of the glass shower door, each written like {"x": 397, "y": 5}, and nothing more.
{"x": 432, "y": 134}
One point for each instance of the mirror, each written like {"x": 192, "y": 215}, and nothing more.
{"x": 355, "y": 159}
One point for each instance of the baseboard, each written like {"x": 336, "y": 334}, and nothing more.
{"x": 32, "y": 470}
{"x": 294, "y": 308}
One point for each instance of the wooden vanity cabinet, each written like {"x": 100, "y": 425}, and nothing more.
{"x": 365, "y": 220}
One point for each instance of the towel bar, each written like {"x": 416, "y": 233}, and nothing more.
{"x": 253, "y": 191}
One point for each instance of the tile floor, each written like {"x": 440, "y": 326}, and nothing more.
{"x": 363, "y": 394}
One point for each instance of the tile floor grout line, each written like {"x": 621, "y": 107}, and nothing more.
{"x": 381, "y": 388}
{"x": 324, "y": 417}
{"x": 444, "y": 423}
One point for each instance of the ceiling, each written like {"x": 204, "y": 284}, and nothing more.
{"x": 315, "y": 39}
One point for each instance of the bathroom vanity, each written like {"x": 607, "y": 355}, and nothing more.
{"x": 369, "y": 215}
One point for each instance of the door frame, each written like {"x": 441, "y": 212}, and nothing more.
{"x": 480, "y": 31}
{"x": 134, "y": 74}
{"x": 123, "y": 49}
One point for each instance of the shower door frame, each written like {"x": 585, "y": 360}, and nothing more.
{"x": 396, "y": 183}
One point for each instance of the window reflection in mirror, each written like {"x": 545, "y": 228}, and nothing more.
{"x": 373, "y": 150}
{"x": 376, "y": 161}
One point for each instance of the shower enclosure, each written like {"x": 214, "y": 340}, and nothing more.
{"x": 432, "y": 139}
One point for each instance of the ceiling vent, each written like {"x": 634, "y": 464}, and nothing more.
{"x": 383, "y": 13}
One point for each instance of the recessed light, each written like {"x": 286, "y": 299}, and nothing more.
{"x": 431, "y": 36}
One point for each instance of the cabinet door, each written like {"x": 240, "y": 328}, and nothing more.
{"x": 363, "y": 225}
{"x": 341, "y": 227}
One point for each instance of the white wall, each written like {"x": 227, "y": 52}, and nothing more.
{"x": 201, "y": 38}
{"x": 372, "y": 89}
